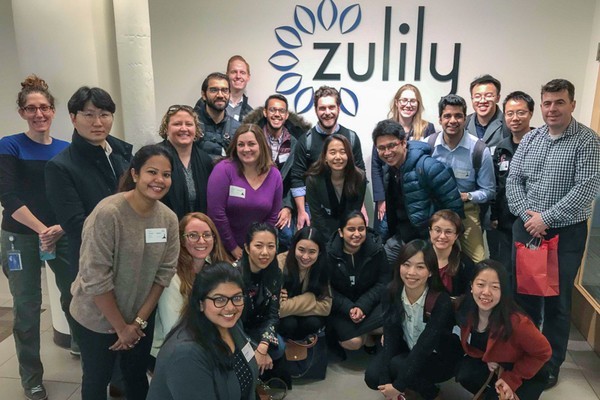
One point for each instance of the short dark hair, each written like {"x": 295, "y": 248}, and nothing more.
{"x": 388, "y": 127}
{"x": 558, "y": 85}
{"x": 325, "y": 91}
{"x": 99, "y": 98}
{"x": 518, "y": 95}
{"x": 276, "y": 97}
{"x": 484, "y": 80}
{"x": 215, "y": 75}
{"x": 452, "y": 100}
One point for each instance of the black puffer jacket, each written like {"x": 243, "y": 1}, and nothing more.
{"x": 371, "y": 274}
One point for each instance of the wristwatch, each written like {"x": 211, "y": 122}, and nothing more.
{"x": 143, "y": 324}
{"x": 469, "y": 196}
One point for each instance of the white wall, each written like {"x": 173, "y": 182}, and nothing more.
{"x": 524, "y": 44}
{"x": 591, "y": 70}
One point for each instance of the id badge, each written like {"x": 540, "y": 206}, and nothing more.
{"x": 352, "y": 280}
{"x": 14, "y": 260}
{"x": 248, "y": 352}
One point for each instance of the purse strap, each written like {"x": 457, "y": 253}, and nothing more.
{"x": 497, "y": 372}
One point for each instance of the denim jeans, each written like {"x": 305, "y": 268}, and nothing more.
{"x": 26, "y": 288}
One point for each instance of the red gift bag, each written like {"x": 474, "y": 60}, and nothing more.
{"x": 537, "y": 267}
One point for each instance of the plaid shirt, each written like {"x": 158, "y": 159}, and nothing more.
{"x": 557, "y": 178}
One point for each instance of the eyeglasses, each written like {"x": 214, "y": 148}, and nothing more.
{"x": 274, "y": 110}
{"x": 91, "y": 116}
{"x": 389, "y": 146}
{"x": 221, "y": 301}
{"x": 487, "y": 96}
{"x": 215, "y": 90}
{"x": 518, "y": 113}
{"x": 194, "y": 237}
{"x": 403, "y": 101}
{"x": 45, "y": 109}
{"x": 176, "y": 107}
{"x": 446, "y": 232}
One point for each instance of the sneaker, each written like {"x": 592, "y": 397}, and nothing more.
{"x": 36, "y": 393}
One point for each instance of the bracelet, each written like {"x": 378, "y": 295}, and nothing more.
{"x": 262, "y": 354}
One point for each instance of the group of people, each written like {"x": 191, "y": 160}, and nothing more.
{"x": 200, "y": 257}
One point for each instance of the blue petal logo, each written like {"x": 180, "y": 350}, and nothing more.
{"x": 306, "y": 21}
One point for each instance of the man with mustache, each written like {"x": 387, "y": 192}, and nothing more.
{"x": 216, "y": 125}
{"x": 327, "y": 107}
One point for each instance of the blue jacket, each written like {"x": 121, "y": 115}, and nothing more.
{"x": 427, "y": 186}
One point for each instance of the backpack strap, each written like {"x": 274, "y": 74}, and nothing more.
{"x": 477, "y": 155}
{"x": 430, "y": 300}
{"x": 308, "y": 145}
{"x": 431, "y": 139}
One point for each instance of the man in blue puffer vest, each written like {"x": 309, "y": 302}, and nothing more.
{"x": 416, "y": 185}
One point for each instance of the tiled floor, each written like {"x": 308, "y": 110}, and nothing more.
{"x": 579, "y": 377}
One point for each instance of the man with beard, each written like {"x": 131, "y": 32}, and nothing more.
{"x": 216, "y": 125}
{"x": 327, "y": 107}
{"x": 238, "y": 71}
{"x": 281, "y": 129}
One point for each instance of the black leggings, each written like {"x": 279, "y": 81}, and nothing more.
{"x": 473, "y": 372}
{"x": 297, "y": 328}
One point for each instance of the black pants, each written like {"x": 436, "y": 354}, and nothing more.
{"x": 437, "y": 368}
{"x": 473, "y": 372}
{"x": 555, "y": 311}
{"x": 98, "y": 362}
{"x": 297, "y": 328}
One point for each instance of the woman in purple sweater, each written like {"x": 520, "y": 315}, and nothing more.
{"x": 244, "y": 188}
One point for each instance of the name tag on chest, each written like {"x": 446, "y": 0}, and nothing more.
{"x": 236, "y": 191}
{"x": 461, "y": 173}
{"x": 248, "y": 352}
{"x": 156, "y": 235}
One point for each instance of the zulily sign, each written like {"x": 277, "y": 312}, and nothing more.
{"x": 295, "y": 38}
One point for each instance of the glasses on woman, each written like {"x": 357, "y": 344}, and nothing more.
{"x": 45, "y": 109}
{"x": 194, "y": 237}
{"x": 404, "y": 101}
{"x": 440, "y": 231}
{"x": 221, "y": 301}
{"x": 178, "y": 107}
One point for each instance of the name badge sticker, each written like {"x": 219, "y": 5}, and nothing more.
{"x": 156, "y": 235}
{"x": 504, "y": 166}
{"x": 284, "y": 157}
{"x": 236, "y": 191}
{"x": 248, "y": 352}
{"x": 461, "y": 173}
{"x": 352, "y": 280}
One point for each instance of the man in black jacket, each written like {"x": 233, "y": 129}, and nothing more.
{"x": 89, "y": 169}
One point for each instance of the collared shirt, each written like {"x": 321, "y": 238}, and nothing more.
{"x": 280, "y": 147}
{"x": 413, "y": 324}
{"x": 558, "y": 178}
{"x": 481, "y": 184}
{"x": 108, "y": 151}
{"x": 234, "y": 109}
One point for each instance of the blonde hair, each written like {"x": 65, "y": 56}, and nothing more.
{"x": 174, "y": 109}
{"x": 418, "y": 123}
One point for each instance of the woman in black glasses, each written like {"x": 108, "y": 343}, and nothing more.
{"x": 207, "y": 355}
{"x": 180, "y": 128}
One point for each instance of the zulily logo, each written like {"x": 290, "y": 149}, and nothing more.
{"x": 327, "y": 15}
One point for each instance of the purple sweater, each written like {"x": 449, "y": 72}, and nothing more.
{"x": 234, "y": 205}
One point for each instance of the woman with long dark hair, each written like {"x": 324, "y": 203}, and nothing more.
{"x": 496, "y": 333}
{"x": 334, "y": 185}
{"x": 305, "y": 300}
{"x": 359, "y": 271}
{"x": 419, "y": 348}
{"x": 129, "y": 251}
{"x": 456, "y": 268}
{"x": 208, "y": 355}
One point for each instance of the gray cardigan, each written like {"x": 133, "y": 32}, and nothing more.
{"x": 184, "y": 371}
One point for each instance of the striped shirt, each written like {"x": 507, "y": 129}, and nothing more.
{"x": 558, "y": 178}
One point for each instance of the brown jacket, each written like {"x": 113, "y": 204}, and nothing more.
{"x": 305, "y": 304}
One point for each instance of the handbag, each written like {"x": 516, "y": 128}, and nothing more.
{"x": 272, "y": 389}
{"x": 537, "y": 267}
{"x": 480, "y": 395}
{"x": 307, "y": 359}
